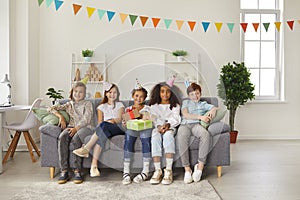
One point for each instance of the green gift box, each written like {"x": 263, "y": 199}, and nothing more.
{"x": 138, "y": 124}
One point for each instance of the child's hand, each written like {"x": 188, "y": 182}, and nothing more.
{"x": 72, "y": 131}
{"x": 62, "y": 122}
{"x": 205, "y": 118}
{"x": 162, "y": 129}
{"x": 124, "y": 123}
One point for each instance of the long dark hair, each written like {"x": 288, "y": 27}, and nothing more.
{"x": 174, "y": 98}
{"x": 105, "y": 99}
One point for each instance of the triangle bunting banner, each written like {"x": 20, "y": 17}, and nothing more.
{"x": 40, "y": 2}
{"x": 58, "y": 4}
{"x": 277, "y": 24}
{"x": 179, "y": 24}
{"x": 291, "y": 24}
{"x": 230, "y": 26}
{"x": 205, "y": 26}
{"x": 191, "y": 25}
{"x": 123, "y": 17}
{"x": 90, "y": 11}
{"x": 143, "y": 19}
{"x": 255, "y": 26}
{"x": 266, "y": 25}
{"x": 132, "y": 19}
{"x": 48, "y": 2}
{"x": 167, "y": 23}
{"x": 76, "y": 8}
{"x": 218, "y": 26}
{"x": 101, "y": 13}
{"x": 110, "y": 15}
{"x": 155, "y": 21}
{"x": 244, "y": 26}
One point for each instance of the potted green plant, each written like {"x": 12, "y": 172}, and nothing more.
{"x": 87, "y": 54}
{"x": 179, "y": 54}
{"x": 235, "y": 89}
{"x": 52, "y": 93}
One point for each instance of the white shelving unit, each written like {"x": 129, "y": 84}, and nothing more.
{"x": 95, "y": 70}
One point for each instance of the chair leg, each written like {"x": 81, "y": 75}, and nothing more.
{"x": 52, "y": 171}
{"x": 18, "y": 135}
{"x": 28, "y": 145}
{"x": 34, "y": 145}
{"x": 12, "y": 145}
{"x": 219, "y": 171}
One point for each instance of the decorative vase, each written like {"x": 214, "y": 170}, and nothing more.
{"x": 87, "y": 59}
{"x": 180, "y": 58}
{"x": 233, "y": 136}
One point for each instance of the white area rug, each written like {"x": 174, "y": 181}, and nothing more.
{"x": 114, "y": 190}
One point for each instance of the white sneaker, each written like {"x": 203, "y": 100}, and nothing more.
{"x": 140, "y": 177}
{"x": 94, "y": 172}
{"x": 126, "y": 179}
{"x": 197, "y": 174}
{"x": 81, "y": 152}
{"x": 168, "y": 177}
{"x": 188, "y": 177}
{"x": 156, "y": 178}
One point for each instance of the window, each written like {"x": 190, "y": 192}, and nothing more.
{"x": 261, "y": 49}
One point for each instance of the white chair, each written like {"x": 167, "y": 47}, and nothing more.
{"x": 24, "y": 127}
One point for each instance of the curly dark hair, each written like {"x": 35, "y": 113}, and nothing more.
{"x": 174, "y": 98}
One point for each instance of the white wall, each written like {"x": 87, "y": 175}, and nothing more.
{"x": 61, "y": 34}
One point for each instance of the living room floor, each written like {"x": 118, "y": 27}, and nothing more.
{"x": 260, "y": 169}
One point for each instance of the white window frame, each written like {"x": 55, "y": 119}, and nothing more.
{"x": 278, "y": 84}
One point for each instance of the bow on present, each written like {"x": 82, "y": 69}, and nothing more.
{"x": 131, "y": 113}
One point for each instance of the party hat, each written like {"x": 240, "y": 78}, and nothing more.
{"x": 170, "y": 82}
{"x": 138, "y": 84}
{"x": 106, "y": 86}
{"x": 187, "y": 83}
{"x": 85, "y": 80}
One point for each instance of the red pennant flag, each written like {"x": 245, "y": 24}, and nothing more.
{"x": 143, "y": 20}
{"x": 291, "y": 24}
{"x": 255, "y": 26}
{"x": 76, "y": 8}
{"x": 155, "y": 21}
{"x": 244, "y": 26}
{"x": 191, "y": 24}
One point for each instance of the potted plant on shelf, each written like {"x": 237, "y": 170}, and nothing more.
{"x": 52, "y": 93}
{"x": 235, "y": 89}
{"x": 179, "y": 54}
{"x": 87, "y": 54}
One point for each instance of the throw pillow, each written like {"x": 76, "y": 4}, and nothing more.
{"x": 220, "y": 113}
{"x": 48, "y": 118}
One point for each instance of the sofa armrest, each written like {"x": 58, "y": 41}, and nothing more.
{"x": 218, "y": 128}
{"x": 50, "y": 130}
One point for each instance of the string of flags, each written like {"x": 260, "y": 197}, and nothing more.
{"x": 167, "y": 22}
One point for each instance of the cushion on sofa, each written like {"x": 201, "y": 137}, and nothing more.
{"x": 51, "y": 130}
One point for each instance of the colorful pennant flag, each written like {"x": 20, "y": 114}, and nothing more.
{"x": 167, "y": 23}
{"x": 143, "y": 19}
{"x": 110, "y": 15}
{"x": 205, "y": 26}
{"x": 58, "y": 4}
{"x": 218, "y": 26}
{"x": 90, "y": 11}
{"x": 123, "y": 17}
{"x": 298, "y": 21}
{"x": 76, "y": 8}
{"x": 277, "y": 24}
{"x": 132, "y": 19}
{"x": 48, "y": 2}
{"x": 155, "y": 21}
{"x": 244, "y": 26}
{"x": 291, "y": 24}
{"x": 230, "y": 26}
{"x": 179, "y": 24}
{"x": 191, "y": 25}
{"x": 40, "y": 2}
{"x": 255, "y": 26}
{"x": 101, "y": 13}
{"x": 266, "y": 25}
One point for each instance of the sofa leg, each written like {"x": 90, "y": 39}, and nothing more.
{"x": 219, "y": 171}
{"x": 52, "y": 171}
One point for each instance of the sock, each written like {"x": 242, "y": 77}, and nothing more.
{"x": 146, "y": 167}
{"x": 169, "y": 163}
{"x": 126, "y": 167}
{"x": 157, "y": 165}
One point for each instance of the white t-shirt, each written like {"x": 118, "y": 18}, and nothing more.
{"x": 109, "y": 112}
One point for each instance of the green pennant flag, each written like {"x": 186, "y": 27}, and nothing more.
{"x": 266, "y": 25}
{"x": 40, "y": 2}
{"x": 230, "y": 26}
{"x": 167, "y": 23}
{"x": 132, "y": 19}
{"x": 101, "y": 13}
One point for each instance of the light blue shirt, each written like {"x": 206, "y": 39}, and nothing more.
{"x": 198, "y": 108}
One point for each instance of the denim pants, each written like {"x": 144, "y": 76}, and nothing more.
{"x": 107, "y": 130}
{"x": 130, "y": 138}
{"x": 164, "y": 141}
{"x": 67, "y": 144}
{"x": 185, "y": 131}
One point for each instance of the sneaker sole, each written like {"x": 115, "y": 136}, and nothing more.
{"x": 166, "y": 183}
{"x": 77, "y": 181}
{"x": 80, "y": 155}
{"x": 62, "y": 181}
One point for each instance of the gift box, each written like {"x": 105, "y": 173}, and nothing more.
{"x": 131, "y": 114}
{"x": 138, "y": 124}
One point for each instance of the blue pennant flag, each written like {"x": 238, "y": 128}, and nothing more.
{"x": 58, "y": 4}
{"x": 205, "y": 25}
{"x": 110, "y": 15}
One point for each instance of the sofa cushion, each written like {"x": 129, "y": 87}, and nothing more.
{"x": 50, "y": 130}
{"x": 217, "y": 128}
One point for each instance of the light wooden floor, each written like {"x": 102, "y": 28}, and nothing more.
{"x": 259, "y": 170}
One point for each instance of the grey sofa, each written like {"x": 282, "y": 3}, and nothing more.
{"x": 112, "y": 156}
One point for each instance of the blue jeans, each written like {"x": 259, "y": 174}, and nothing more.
{"x": 164, "y": 141}
{"x": 107, "y": 130}
{"x": 130, "y": 138}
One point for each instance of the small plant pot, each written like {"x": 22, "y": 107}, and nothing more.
{"x": 180, "y": 58}
{"x": 233, "y": 136}
{"x": 87, "y": 59}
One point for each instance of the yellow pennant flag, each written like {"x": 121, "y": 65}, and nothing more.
{"x": 218, "y": 26}
{"x": 90, "y": 11}
{"x": 123, "y": 17}
{"x": 277, "y": 24}
{"x": 179, "y": 24}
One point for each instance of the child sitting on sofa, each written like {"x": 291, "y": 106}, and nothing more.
{"x": 80, "y": 126}
{"x": 139, "y": 94}
{"x": 165, "y": 107}
{"x": 110, "y": 113}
